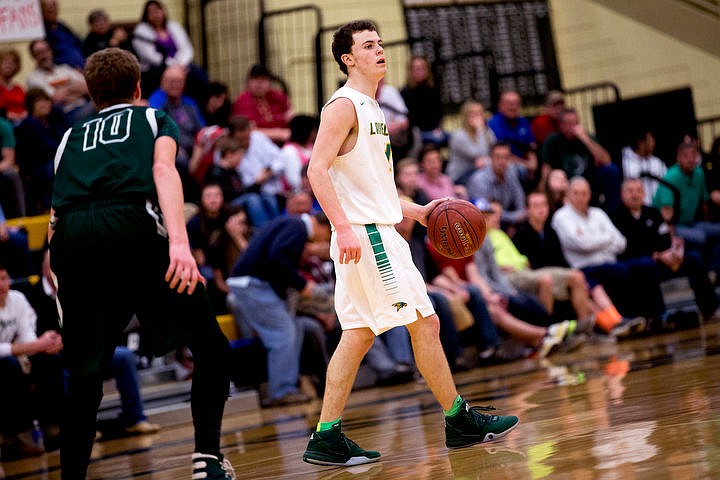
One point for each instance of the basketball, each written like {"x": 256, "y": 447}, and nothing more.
{"x": 456, "y": 228}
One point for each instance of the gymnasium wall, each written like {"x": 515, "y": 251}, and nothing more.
{"x": 593, "y": 43}
{"x": 596, "y": 43}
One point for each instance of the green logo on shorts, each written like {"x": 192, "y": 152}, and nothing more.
{"x": 399, "y": 305}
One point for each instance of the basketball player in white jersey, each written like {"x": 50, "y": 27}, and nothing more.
{"x": 378, "y": 287}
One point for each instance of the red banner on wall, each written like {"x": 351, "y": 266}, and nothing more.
{"x": 20, "y": 20}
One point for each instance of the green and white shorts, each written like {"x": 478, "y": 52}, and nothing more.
{"x": 384, "y": 289}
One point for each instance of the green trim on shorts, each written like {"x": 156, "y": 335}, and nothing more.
{"x": 381, "y": 259}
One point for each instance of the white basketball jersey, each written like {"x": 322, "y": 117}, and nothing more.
{"x": 363, "y": 178}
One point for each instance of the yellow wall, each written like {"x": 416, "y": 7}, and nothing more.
{"x": 593, "y": 43}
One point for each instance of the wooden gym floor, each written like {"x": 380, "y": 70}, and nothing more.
{"x": 643, "y": 408}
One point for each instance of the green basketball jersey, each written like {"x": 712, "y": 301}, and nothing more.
{"x": 109, "y": 156}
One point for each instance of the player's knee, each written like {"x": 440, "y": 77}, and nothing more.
{"x": 360, "y": 339}
{"x": 429, "y": 326}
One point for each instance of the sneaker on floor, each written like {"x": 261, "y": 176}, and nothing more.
{"x": 628, "y": 326}
{"x": 470, "y": 427}
{"x": 556, "y": 335}
{"x": 332, "y": 447}
{"x": 142, "y": 428}
{"x": 586, "y": 325}
{"x": 210, "y": 467}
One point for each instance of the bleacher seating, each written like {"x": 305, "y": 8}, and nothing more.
{"x": 36, "y": 228}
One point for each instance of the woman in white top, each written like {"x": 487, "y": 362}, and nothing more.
{"x": 159, "y": 43}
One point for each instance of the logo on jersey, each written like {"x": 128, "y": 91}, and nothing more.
{"x": 399, "y": 305}
{"x": 378, "y": 128}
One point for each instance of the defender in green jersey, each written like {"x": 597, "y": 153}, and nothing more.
{"x": 119, "y": 248}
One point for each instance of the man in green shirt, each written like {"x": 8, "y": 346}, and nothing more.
{"x": 687, "y": 179}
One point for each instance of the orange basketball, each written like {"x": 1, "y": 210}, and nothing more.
{"x": 456, "y": 228}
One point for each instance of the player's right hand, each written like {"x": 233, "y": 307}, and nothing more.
{"x": 348, "y": 245}
{"x": 182, "y": 273}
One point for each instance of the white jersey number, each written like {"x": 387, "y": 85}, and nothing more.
{"x": 114, "y": 128}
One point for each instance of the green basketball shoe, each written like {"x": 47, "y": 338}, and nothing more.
{"x": 332, "y": 447}
{"x": 470, "y": 426}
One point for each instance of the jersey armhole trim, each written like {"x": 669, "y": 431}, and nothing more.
{"x": 61, "y": 149}
{"x": 152, "y": 120}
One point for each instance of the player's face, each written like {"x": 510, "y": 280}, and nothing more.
{"x": 537, "y": 209}
{"x": 367, "y": 53}
{"x": 632, "y": 194}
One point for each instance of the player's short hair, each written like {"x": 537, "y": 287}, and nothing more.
{"x": 343, "y": 39}
{"x": 112, "y": 75}
{"x": 3, "y": 267}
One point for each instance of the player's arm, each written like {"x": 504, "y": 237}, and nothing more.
{"x": 419, "y": 212}
{"x": 183, "y": 272}
{"x": 336, "y": 123}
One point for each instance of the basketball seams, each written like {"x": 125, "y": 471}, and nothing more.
{"x": 454, "y": 213}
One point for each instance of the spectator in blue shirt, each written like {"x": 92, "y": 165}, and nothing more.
{"x": 66, "y": 46}
{"x": 260, "y": 282}
{"x": 509, "y": 126}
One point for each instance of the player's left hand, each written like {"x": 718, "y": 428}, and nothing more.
{"x": 182, "y": 273}
{"x": 429, "y": 208}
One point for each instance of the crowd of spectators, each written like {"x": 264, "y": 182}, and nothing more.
{"x": 578, "y": 242}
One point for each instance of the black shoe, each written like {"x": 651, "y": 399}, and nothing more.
{"x": 332, "y": 447}
{"x": 470, "y": 426}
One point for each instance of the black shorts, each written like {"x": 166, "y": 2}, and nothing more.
{"x": 110, "y": 263}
